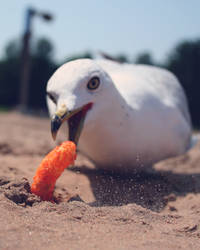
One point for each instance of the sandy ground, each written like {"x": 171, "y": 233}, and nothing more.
{"x": 155, "y": 210}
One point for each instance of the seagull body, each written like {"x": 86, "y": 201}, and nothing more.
{"x": 138, "y": 115}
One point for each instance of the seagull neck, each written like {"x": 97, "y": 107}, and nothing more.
{"x": 117, "y": 103}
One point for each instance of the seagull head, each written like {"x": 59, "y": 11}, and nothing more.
{"x": 76, "y": 93}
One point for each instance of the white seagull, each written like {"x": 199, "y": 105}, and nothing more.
{"x": 123, "y": 117}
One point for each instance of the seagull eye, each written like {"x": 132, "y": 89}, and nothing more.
{"x": 93, "y": 83}
{"x": 52, "y": 98}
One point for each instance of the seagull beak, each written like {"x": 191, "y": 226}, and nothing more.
{"x": 59, "y": 117}
{"x": 75, "y": 120}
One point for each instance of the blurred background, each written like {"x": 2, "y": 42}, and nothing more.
{"x": 38, "y": 36}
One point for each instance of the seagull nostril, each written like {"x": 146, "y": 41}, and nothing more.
{"x": 61, "y": 111}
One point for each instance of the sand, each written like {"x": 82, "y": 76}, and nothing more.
{"x": 158, "y": 209}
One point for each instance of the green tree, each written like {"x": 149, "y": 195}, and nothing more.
{"x": 42, "y": 67}
{"x": 184, "y": 62}
{"x": 144, "y": 58}
{"x": 121, "y": 58}
{"x": 10, "y": 74}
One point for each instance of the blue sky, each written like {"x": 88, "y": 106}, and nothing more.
{"x": 113, "y": 26}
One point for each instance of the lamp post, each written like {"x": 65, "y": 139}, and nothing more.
{"x": 25, "y": 64}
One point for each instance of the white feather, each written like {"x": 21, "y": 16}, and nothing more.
{"x": 140, "y": 114}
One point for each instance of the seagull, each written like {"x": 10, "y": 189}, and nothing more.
{"x": 123, "y": 117}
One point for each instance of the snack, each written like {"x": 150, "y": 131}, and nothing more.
{"x": 51, "y": 168}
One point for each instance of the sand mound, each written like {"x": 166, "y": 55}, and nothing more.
{"x": 94, "y": 210}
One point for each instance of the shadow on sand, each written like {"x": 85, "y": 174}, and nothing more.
{"x": 151, "y": 190}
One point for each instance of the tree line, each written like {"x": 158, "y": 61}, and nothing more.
{"x": 183, "y": 60}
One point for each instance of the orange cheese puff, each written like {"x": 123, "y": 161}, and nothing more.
{"x": 51, "y": 168}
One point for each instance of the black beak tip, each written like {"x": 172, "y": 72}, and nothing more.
{"x": 55, "y": 125}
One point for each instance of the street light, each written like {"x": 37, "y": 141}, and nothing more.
{"x": 25, "y": 65}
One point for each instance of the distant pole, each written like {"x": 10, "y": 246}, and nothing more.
{"x": 26, "y": 62}
{"x": 25, "y": 67}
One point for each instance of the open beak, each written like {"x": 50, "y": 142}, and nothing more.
{"x": 74, "y": 118}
